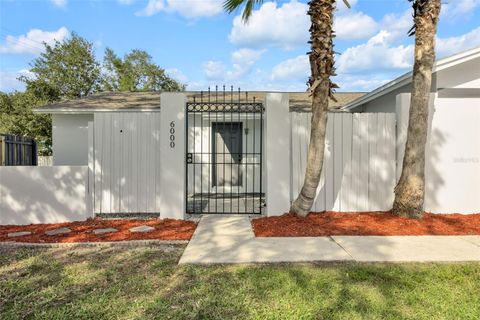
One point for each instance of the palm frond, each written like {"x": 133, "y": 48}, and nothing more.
{"x": 232, "y": 5}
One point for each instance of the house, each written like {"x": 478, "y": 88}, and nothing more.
{"x": 174, "y": 154}
{"x": 453, "y": 146}
{"x": 70, "y": 117}
{"x": 224, "y": 140}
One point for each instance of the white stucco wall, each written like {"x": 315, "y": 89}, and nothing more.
{"x": 43, "y": 194}
{"x": 70, "y": 139}
{"x": 452, "y": 169}
{"x": 278, "y": 146}
{"x": 172, "y": 158}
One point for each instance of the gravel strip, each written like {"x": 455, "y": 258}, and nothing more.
{"x": 94, "y": 244}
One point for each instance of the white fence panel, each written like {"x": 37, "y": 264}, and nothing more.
{"x": 359, "y": 166}
{"x": 44, "y": 161}
{"x": 126, "y": 162}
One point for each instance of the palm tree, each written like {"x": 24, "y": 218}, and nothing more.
{"x": 410, "y": 190}
{"x": 320, "y": 86}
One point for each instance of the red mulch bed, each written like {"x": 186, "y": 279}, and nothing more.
{"x": 366, "y": 224}
{"x": 165, "y": 229}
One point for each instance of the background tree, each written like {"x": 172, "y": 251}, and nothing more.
{"x": 135, "y": 72}
{"x": 17, "y": 118}
{"x": 67, "y": 69}
{"x": 321, "y": 87}
{"x": 410, "y": 190}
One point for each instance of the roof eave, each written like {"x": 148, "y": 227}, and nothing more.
{"x": 91, "y": 111}
{"x": 380, "y": 91}
{"x": 407, "y": 77}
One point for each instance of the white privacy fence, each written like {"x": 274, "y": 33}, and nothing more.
{"x": 359, "y": 167}
{"x": 126, "y": 158}
{"x": 44, "y": 161}
{"x": 358, "y": 175}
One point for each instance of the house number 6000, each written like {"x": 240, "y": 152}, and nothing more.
{"x": 172, "y": 134}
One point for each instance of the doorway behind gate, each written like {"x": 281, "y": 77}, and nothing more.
{"x": 224, "y": 156}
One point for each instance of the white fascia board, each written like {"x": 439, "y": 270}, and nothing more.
{"x": 90, "y": 111}
{"x": 442, "y": 64}
{"x": 456, "y": 59}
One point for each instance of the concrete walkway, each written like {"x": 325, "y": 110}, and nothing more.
{"x": 230, "y": 239}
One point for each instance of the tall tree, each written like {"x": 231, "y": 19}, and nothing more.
{"x": 17, "y": 118}
{"x": 410, "y": 190}
{"x": 136, "y": 72}
{"x": 66, "y": 69}
{"x": 321, "y": 88}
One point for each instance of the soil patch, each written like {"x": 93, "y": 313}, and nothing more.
{"x": 365, "y": 224}
{"x": 165, "y": 229}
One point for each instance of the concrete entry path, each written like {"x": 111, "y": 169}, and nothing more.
{"x": 230, "y": 239}
{"x": 410, "y": 248}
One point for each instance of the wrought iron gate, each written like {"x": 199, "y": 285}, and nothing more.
{"x": 224, "y": 153}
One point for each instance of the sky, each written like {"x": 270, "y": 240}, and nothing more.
{"x": 200, "y": 45}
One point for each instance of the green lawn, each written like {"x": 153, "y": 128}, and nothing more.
{"x": 139, "y": 283}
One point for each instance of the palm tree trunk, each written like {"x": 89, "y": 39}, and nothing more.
{"x": 321, "y": 65}
{"x": 410, "y": 190}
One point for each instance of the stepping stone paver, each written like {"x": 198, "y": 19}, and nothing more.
{"x": 19, "y": 234}
{"x": 58, "y": 231}
{"x": 142, "y": 229}
{"x": 105, "y": 230}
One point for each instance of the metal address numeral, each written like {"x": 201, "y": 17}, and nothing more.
{"x": 172, "y": 134}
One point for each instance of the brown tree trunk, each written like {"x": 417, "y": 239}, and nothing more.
{"x": 410, "y": 190}
{"x": 321, "y": 65}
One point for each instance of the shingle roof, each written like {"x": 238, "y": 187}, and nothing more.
{"x": 110, "y": 101}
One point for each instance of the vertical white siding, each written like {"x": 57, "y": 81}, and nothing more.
{"x": 359, "y": 165}
{"x": 127, "y": 156}
{"x": 91, "y": 172}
